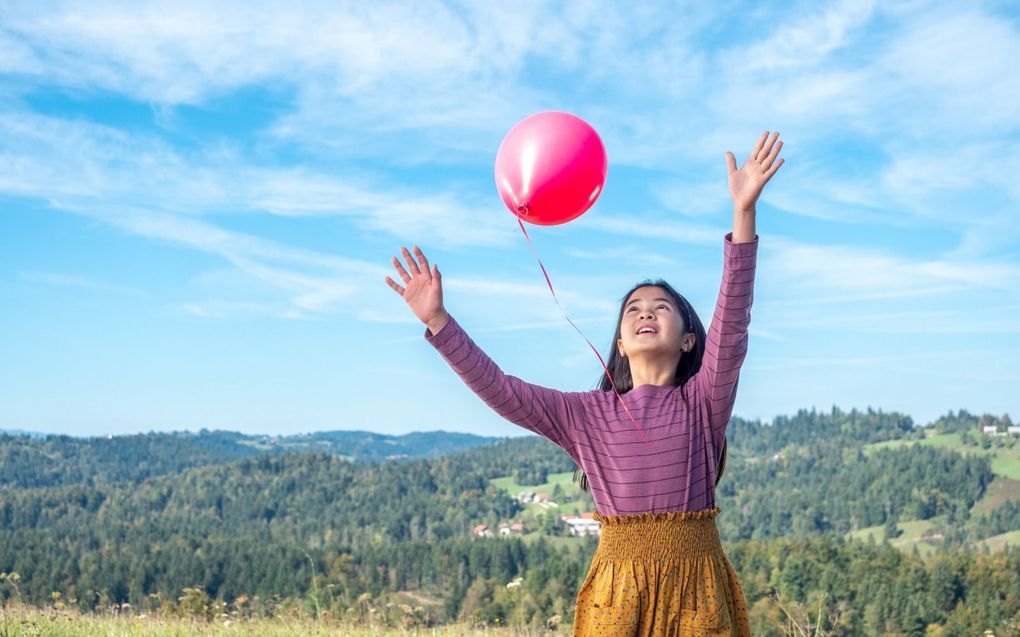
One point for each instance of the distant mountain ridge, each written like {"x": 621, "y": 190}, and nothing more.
{"x": 23, "y": 432}
{"x": 28, "y": 461}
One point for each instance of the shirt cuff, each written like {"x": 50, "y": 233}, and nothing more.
{"x": 745, "y": 248}
{"x": 444, "y": 335}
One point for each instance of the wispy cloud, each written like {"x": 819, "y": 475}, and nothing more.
{"x": 814, "y": 37}
{"x": 923, "y": 360}
{"x": 79, "y": 164}
{"x": 631, "y": 253}
{"x": 660, "y": 228}
{"x": 78, "y": 281}
{"x": 266, "y": 260}
{"x": 869, "y": 271}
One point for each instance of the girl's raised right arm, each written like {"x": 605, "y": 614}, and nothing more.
{"x": 547, "y": 412}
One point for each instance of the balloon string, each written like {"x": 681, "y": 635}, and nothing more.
{"x": 608, "y": 375}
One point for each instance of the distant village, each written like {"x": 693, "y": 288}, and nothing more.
{"x": 995, "y": 430}
{"x": 578, "y": 525}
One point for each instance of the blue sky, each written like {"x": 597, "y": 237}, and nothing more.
{"x": 198, "y": 204}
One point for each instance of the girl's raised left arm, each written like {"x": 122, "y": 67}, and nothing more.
{"x": 726, "y": 341}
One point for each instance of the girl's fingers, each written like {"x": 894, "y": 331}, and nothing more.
{"x": 757, "y": 147}
{"x": 766, "y": 150}
{"x": 423, "y": 262}
{"x": 396, "y": 288}
{"x": 772, "y": 171}
{"x": 767, "y": 163}
{"x": 410, "y": 261}
{"x": 401, "y": 271}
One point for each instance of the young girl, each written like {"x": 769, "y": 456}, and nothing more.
{"x": 659, "y": 568}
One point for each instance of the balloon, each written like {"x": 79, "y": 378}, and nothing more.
{"x": 550, "y": 168}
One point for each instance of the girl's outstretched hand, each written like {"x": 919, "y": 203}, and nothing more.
{"x": 424, "y": 291}
{"x": 746, "y": 183}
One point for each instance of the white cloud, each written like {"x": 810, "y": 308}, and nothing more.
{"x": 631, "y": 253}
{"x": 77, "y": 162}
{"x": 867, "y": 271}
{"x": 658, "y": 228}
{"x": 953, "y": 72}
{"x": 521, "y": 292}
{"x": 808, "y": 40}
{"x": 271, "y": 262}
{"x": 220, "y": 309}
{"x": 890, "y": 361}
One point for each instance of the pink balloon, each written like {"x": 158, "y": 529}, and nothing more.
{"x": 551, "y": 168}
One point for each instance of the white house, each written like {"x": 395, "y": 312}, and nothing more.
{"x": 583, "y": 525}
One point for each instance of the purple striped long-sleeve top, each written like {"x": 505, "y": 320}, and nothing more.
{"x": 673, "y": 466}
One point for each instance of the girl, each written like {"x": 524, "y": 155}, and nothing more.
{"x": 659, "y": 568}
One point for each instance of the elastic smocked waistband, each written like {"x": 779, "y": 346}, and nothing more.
{"x": 659, "y": 536}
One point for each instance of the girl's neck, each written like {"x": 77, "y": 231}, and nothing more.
{"x": 653, "y": 372}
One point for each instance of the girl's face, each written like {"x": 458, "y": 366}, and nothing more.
{"x": 653, "y": 307}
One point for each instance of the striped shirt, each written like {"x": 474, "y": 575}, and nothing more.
{"x": 673, "y": 466}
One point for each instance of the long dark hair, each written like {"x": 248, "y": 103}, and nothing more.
{"x": 686, "y": 368}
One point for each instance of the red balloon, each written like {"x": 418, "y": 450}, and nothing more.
{"x": 551, "y": 168}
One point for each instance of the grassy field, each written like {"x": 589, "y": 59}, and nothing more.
{"x": 532, "y": 511}
{"x": 1005, "y": 462}
{"x": 565, "y": 482}
{"x": 913, "y": 532}
{"x": 1001, "y": 490}
{"x": 563, "y": 479}
{"x": 25, "y": 621}
{"x": 998, "y": 542}
{"x": 1005, "y": 459}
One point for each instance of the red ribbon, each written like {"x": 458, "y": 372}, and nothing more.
{"x": 610, "y": 376}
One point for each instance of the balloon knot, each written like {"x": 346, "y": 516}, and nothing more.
{"x": 522, "y": 210}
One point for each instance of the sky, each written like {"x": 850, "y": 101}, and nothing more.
{"x": 199, "y": 203}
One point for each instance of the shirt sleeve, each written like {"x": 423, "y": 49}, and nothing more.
{"x": 547, "y": 412}
{"x": 726, "y": 340}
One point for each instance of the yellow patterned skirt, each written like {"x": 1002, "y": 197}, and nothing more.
{"x": 658, "y": 575}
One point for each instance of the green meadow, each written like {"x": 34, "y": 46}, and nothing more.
{"x": 1004, "y": 455}
{"x": 1003, "y": 452}
{"x": 564, "y": 480}
{"x": 913, "y": 534}
{"x": 533, "y": 513}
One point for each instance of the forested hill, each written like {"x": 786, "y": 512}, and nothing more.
{"x": 41, "y": 461}
{"x": 139, "y": 519}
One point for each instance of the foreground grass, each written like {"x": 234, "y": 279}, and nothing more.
{"x": 25, "y": 621}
